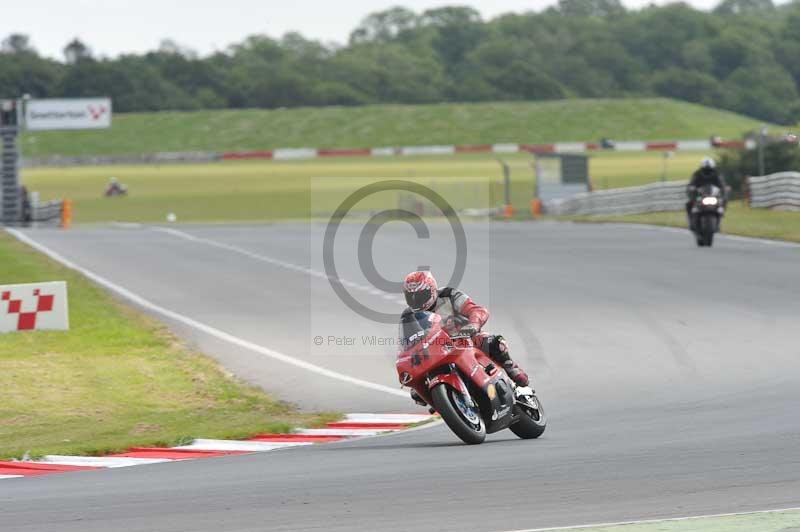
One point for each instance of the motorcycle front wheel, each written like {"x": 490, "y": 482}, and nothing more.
{"x": 532, "y": 419}
{"x": 465, "y": 421}
{"x": 708, "y": 226}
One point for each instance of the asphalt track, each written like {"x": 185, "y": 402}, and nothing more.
{"x": 671, "y": 373}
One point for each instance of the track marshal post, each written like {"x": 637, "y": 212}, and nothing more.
{"x": 10, "y": 206}
{"x": 41, "y": 115}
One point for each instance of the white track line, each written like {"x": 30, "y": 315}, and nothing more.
{"x": 387, "y": 418}
{"x": 656, "y": 521}
{"x": 765, "y": 241}
{"x": 280, "y": 263}
{"x": 236, "y": 445}
{"x": 4, "y": 477}
{"x": 342, "y": 432}
{"x": 202, "y": 327}
{"x": 101, "y": 461}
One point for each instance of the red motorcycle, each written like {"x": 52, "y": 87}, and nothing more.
{"x": 473, "y": 395}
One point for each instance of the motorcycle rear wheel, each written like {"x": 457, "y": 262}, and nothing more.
{"x": 464, "y": 421}
{"x": 532, "y": 420}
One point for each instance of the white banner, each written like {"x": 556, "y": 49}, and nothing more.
{"x": 34, "y": 307}
{"x": 79, "y": 113}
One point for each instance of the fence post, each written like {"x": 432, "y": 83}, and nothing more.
{"x": 746, "y": 188}
{"x": 508, "y": 210}
{"x": 762, "y": 134}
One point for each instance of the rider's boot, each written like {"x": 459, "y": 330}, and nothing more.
{"x": 417, "y": 399}
{"x": 516, "y": 373}
{"x": 497, "y": 349}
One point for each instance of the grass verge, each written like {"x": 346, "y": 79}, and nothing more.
{"x": 117, "y": 379}
{"x": 272, "y": 190}
{"x": 395, "y": 125}
{"x": 739, "y": 220}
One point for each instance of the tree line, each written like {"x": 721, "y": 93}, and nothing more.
{"x": 743, "y": 56}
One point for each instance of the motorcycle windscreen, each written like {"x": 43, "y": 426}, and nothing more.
{"x": 416, "y": 326}
{"x": 709, "y": 190}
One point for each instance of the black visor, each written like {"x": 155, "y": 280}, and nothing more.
{"x": 417, "y": 300}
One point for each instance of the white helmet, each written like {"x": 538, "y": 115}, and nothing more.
{"x": 708, "y": 163}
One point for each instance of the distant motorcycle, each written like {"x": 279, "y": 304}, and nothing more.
{"x": 706, "y": 214}
{"x": 115, "y": 188}
{"x": 473, "y": 395}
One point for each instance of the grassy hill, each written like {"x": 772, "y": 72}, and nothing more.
{"x": 394, "y": 125}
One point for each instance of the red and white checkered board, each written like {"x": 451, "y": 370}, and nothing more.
{"x": 29, "y": 307}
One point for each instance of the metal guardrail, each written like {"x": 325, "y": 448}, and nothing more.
{"x": 668, "y": 196}
{"x": 779, "y": 191}
{"x": 50, "y": 212}
{"x": 311, "y": 153}
{"x": 108, "y": 160}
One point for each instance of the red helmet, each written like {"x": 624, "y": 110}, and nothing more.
{"x": 420, "y": 290}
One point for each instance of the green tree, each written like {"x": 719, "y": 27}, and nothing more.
{"x": 696, "y": 55}
{"x": 458, "y": 31}
{"x": 23, "y": 71}
{"x": 745, "y": 7}
{"x": 734, "y": 48}
{"x": 763, "y": 90}
{"x": 691, "y": 86}
{"x": 385, "y": 26}
{"x": 17, "y": 43}
{"x": 742, "y": 57}
{"x": 591, "y": 8}
{"x": 787, "y": 48}
{"x": 737, "y": 165}
{"x": 76, "y": 51}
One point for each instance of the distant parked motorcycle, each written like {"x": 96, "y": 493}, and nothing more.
{"x": 473, "y": 395}
{"x": 706, "y": 213}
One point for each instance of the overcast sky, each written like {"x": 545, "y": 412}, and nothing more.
{"x": 113, "y": 26}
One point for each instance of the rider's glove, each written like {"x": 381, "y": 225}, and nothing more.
{"x": 470, "y": 329}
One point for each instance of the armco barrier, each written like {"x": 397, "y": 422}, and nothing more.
{"x": 311, "y": 153}
{"x": 428, "y": 150}
{"x": 246, "y": 155}
{"x": 353, "y": 152}
{"x": 50, "y": 212}
{"x": 103, "y": 160}
{"x": 657, "y": 197}
{"x": 777, "y": 191}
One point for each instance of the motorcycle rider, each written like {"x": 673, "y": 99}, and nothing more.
{"x": 707, "y": 174}
{"x": 460, "y": 315}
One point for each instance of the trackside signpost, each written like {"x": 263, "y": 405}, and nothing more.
{"x": 39, "y": 115}
{"x": 34, "y": 307}
{"x": 79, "y": 113}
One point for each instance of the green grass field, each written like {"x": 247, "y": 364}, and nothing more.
{"x": 395, "y": 125}
{"x": 270, "y": 190}
{"x": 115, "y": 380}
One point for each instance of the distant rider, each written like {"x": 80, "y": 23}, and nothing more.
{"x": 459, "y": 315}
{"x": 707, "y": 174}
{"x": 115, "y": 188}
